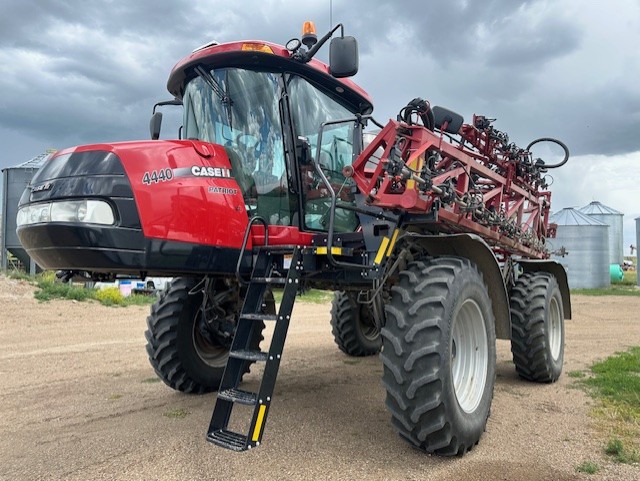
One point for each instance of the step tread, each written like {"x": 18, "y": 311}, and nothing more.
{"x": 239, "y": 396}
{"x": 258, "y": 317}
{"x": 249, "y": 355}
{"x": 228, "y": 439}
{"x": 270, "y": 280}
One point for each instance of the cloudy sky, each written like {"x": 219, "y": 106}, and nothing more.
{"x": 83, "y": 71}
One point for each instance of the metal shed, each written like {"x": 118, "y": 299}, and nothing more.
{"x": 14, "y": 180}
{"x": 587, "y": 242}
{"x": 614, "y": 219}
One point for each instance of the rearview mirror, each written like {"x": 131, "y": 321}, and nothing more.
{"x": 155, "y": 124}
{"x": 156, "y": 118}
{"x": 343, "y": 57}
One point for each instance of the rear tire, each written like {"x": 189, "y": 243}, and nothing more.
{"x": 353, "y": 327}
{"x": 180, "y": 355}
{"x": 439, "y": 355}
{"x": 537, "y": 327}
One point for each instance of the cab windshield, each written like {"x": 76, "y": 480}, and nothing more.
{"x": 241, "y": 110}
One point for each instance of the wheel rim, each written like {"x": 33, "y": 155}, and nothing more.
{"x": 469, "y": 355}
{"x": 212, "y": 355}
{"x": 367, "y": 325}
{"x": 555, "y": 329}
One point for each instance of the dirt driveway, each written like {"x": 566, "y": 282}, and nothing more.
{"x": 79, "y": 402}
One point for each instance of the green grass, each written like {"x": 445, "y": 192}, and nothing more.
{"x": 316, "y": 296}
{"x": 617, "y": 379}
{"x": 177, "y": 413}
{"x": 588, "y": 467}
{"x": 49, "y": 288}
{"x": 151, "y": 380}
{"x": 630, "y": 278}
{"x": 620, "y": 453}
{"x": 313, "y": 296}
{"x": 139, "y": 300}
{"x": 18, "y": 275}
{"x": 615, "y": 382}
{"x": 614, "y": 290}
{"x": 576, "y": 374}
{"x": 351, "y": 361}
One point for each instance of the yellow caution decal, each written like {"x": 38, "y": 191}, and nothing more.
{"x": 336, "y": 251}
{"x": 392, "y": 244}
{"x": 259, "y": 422}
{"x": 381, "y": 250}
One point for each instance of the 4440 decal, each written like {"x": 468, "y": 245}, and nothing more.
{"x": 155, "y": 176}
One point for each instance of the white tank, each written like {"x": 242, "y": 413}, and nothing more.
{"x": 614, "y": 219}
{"x": 586, "y": 241}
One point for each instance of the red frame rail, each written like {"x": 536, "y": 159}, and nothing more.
{"x": 476, "y": 186}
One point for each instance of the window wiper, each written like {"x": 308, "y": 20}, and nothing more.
{"x": 217, "y": 89}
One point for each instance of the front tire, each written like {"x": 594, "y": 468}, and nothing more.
{"x": 439, "y": 355}
{"x": 537, "y": 327}
{"x": 353, "y": 326}
{"x": 183, "y": 355}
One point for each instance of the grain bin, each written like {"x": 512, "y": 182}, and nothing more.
{"x": 614, "y": 219}
{"x": 587, "y": 242}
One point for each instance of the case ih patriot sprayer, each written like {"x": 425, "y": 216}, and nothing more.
{"x": 432, "y": 234}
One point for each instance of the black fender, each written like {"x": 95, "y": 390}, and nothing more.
{"x": 557, "y": 270}
{"x": 474, "y": 248}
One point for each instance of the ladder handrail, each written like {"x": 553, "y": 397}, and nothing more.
{"x": 332, "y": 210}
{"x": 245, "y": 240}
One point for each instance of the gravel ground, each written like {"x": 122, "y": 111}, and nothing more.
{"x": 79, "y": 401}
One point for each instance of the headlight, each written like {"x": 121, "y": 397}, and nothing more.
{"x": 84, "y": 211}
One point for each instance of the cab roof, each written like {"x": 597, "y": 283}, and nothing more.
{"x": 258, "y": 55}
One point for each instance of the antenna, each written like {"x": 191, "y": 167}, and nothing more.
{"x": 330, "y": 13}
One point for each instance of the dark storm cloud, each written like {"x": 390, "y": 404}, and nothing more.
{"x": 89, "y": 71}
{"x": 85, "y": 71}
{"x": 533, "y": 44}
{"x": 497, "y": 30}
{"x": 489, "y": 58}
{"x": 606, "y": 122}
{"x": 23, "y": 19}
{"x": 82, "y": 72}
{"x": 482, "y": 57}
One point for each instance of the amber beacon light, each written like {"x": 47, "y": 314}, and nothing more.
{"x": 309, "y": 37}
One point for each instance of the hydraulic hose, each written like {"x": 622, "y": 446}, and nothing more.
{"x": 554, "y": 141}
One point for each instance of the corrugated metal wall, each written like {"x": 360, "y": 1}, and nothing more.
{"x": 587, "y": 243}
{"x": 614, "y": 219}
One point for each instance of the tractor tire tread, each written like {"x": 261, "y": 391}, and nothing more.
{"x": 412, "y": 353}
{"x": 528, "y": 331}
{"x": 345, "y": 325}
{"x": 162, "y": 338}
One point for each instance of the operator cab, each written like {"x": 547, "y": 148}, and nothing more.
{"x": 277, "y": 117}
{"x": 249, "y": 122}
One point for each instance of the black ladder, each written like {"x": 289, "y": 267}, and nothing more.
{"x": 269, "y": 260}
